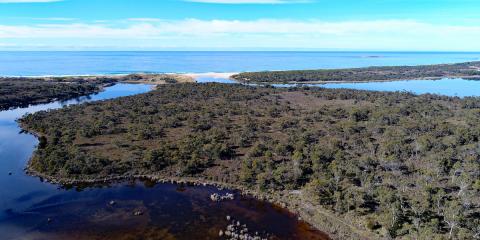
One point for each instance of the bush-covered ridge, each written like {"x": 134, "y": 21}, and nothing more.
{"x": 467, "y": 70}
{"x": 402, "y": 165}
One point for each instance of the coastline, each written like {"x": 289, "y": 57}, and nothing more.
{"x": 227, "y": 75}
{"x": 152, "y": 78}
{"x": 192, "y": 78}
{"x": 88, "y": 76}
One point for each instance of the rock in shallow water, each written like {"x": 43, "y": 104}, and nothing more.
{"x": 217, "y": 197}
{"x": 236, "y": 230}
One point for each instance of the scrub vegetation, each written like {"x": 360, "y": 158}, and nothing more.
{"x": 21, "y": 92}
{"x": 392, "y": 164}
{"x": 463, "y": 70}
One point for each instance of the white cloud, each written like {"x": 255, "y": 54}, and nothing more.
{"x": 262, "y": 33}
{"x": 28, "y": 1}
{"x": 248, "y": 1}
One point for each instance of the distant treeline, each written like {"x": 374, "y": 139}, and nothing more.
{"x": 469, "y": 69}
{"x": 395, "y": 164}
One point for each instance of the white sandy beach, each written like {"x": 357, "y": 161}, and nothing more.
{"x": 210, "y": 74}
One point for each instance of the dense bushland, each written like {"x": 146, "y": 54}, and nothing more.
{"x": 408, "y": 166}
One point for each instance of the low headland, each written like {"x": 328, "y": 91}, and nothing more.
{"x": 24, "y": 91}
{"x": 355, "y": 164}
{"x": 467, "y": 70}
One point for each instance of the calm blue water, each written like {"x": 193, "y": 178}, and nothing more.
{"x": 86, "y": 63}
{"x": 450, "y": 87}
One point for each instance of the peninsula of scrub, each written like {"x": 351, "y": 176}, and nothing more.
{"x": 355, "y": 164}
{"x": 23, "y": 91}
{"x": 468, "y": 70}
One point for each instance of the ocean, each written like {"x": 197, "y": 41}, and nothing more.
{"x": 101, "y": 63}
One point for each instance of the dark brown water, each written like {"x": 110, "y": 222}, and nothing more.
{"x": 32, "y": 209}
{"x": 168, "y": 211}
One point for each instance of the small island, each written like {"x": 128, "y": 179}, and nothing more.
{"x": 355, "y": 164}
{"x": 467, "y": 70}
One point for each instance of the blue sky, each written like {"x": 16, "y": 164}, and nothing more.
{"x": 403, "y": 25}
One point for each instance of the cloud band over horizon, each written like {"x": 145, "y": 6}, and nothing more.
{"x": 261, "y": 33}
